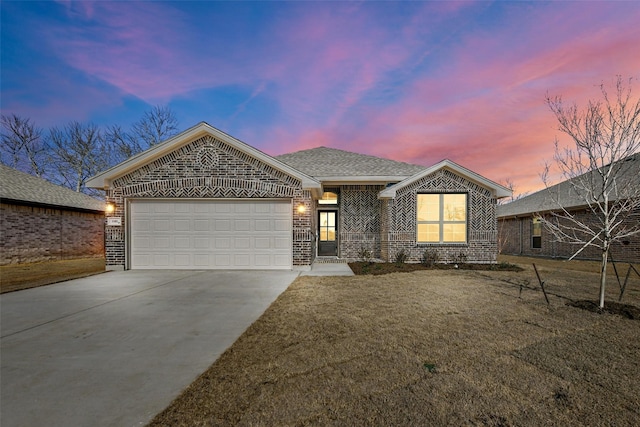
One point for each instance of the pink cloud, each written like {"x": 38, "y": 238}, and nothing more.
{"x": 436, "y": 85}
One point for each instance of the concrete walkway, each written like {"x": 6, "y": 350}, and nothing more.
{"x": 329, "y": 269}
{"x": 115, "y": 349}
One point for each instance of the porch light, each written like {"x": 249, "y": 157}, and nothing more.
{"x": 109, "y": 208}
{"x": 302, "y": 209}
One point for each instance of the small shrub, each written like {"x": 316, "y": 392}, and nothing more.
{"x": 365, "y": 255}
{"x": 460, "y": 258}
{"x": 431, "y": 367}
{"x": 430, "y": 257}
{"x": 401, "y": 256}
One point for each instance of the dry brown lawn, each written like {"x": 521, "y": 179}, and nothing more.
{"x": 440, "y": 347}
{"x": 15, "y": 277}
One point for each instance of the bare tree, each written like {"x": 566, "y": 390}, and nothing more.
{"x": 155, "y": 126}
{"x": 514, "y": 196}
{"x": 77, "y": 152}
{"x": 600, "y": 172}
{"x": 122, "y": 144}
{"x": 22, "y": 146}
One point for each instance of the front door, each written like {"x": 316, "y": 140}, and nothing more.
{"x": 327, "y": 244}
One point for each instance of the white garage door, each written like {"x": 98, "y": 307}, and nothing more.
{"x": 229, "y": 234}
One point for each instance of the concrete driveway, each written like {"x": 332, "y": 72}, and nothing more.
{"x": 117, "y": 348}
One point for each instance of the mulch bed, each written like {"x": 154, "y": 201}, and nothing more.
{"x": 624, "y": 310}
{"x": 377, "y": 268}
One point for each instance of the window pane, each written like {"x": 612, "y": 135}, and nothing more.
{"x": 323, "y": 218}
{"x": 331, "y": 234}
{"x": 536, "y": 242}
{"x": 455, "y": 207}
{"x": 331, "y": 216}
{"x": 429, "y": 233}
{"x": 428, "y": 207}
{"x": 328, "y": 198}
{"x": 536, "y": 229}
{"x": 454, "y": 233}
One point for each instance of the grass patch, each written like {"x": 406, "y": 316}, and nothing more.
{"x": 15, "y": 277}
{"x": 436, "y": 347}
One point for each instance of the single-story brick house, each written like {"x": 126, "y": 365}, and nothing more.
{"x": 521, "y": 230}
{"x": 41, "y": 221}
{"x": 206, "y": 200}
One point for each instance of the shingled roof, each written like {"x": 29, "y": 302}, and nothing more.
{"x": 21, "y": 187}
{"x": 546, "y": 200}
{"x": 325, "y": 162}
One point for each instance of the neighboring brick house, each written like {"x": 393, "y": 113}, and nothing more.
{"x": 521, "y": 230}
{"x": 41, "y": 221}
{"x": 204, "y": 199}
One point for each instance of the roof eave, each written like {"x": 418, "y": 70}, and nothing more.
{"x": 359, "y": 180}
{"x": 496, "y": 189}
{"x": 33, "y": 203}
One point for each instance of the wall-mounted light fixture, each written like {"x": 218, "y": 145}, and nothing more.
{"x": 109, "y": 208}
{"x": 301, "y": 209}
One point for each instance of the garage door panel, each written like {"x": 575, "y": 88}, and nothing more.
{"x": 242, "y": 208}
{"x": 222, "y": 242}
{"x": 141, "y": 225}
{"x": 222, "y": 260}
{"x": 182, "y": 242}
{"x": 281, "y": 225}
{"x": 262, "y": 225}
{"x": 222, "y": 225}
{"x": 201, "y": 243}
{"x": 262, "y": 243}
{"x": 161, "y": 243}
{"x": 241, "y": 225}
{"x": 241, "y": 260}
{"x": 181, "y": 225}
{"x": 161, "y": 260}
{"x": 201, "y": 225}
{"x": 281, "y": 261}
{"x": 242, "y": 243}
{"x": 182, "y": 260}
{"x": 162, "y": 208}
{"x": 211, "y": 234}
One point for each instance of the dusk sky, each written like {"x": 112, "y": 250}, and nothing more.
{"x": 410, "y": 81}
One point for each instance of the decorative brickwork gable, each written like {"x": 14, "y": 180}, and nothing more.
{"x": 398, "y": 219}
{"x": 209, "y": 168}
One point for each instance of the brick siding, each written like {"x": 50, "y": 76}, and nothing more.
{"x": 514, "y": 237}
{"x": 209, "y": 169}
{"x": 398, "y": 222}
{"x": 34, "y": 234}
{"x": 359, "y": 220}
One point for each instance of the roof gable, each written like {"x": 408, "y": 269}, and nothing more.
{"x": 22, "y": 187}
{"x": 497, "y": 190}
{"x": 105, "y": 179}
{"x": 332, "y": 164}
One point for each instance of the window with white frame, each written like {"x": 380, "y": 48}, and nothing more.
{"x": 442, "y": 218}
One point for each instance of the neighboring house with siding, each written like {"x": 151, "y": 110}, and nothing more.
{"x": 204, "y": 199}
{"x": 521, "y": 230}
{"x": 41, "y": 221}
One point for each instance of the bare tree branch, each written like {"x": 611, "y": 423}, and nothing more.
{"x": 77, "y": 152}
{"x": 22, "y": 146}
{"x": 600, "y": 172}
{"x": 155, "y": 126}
